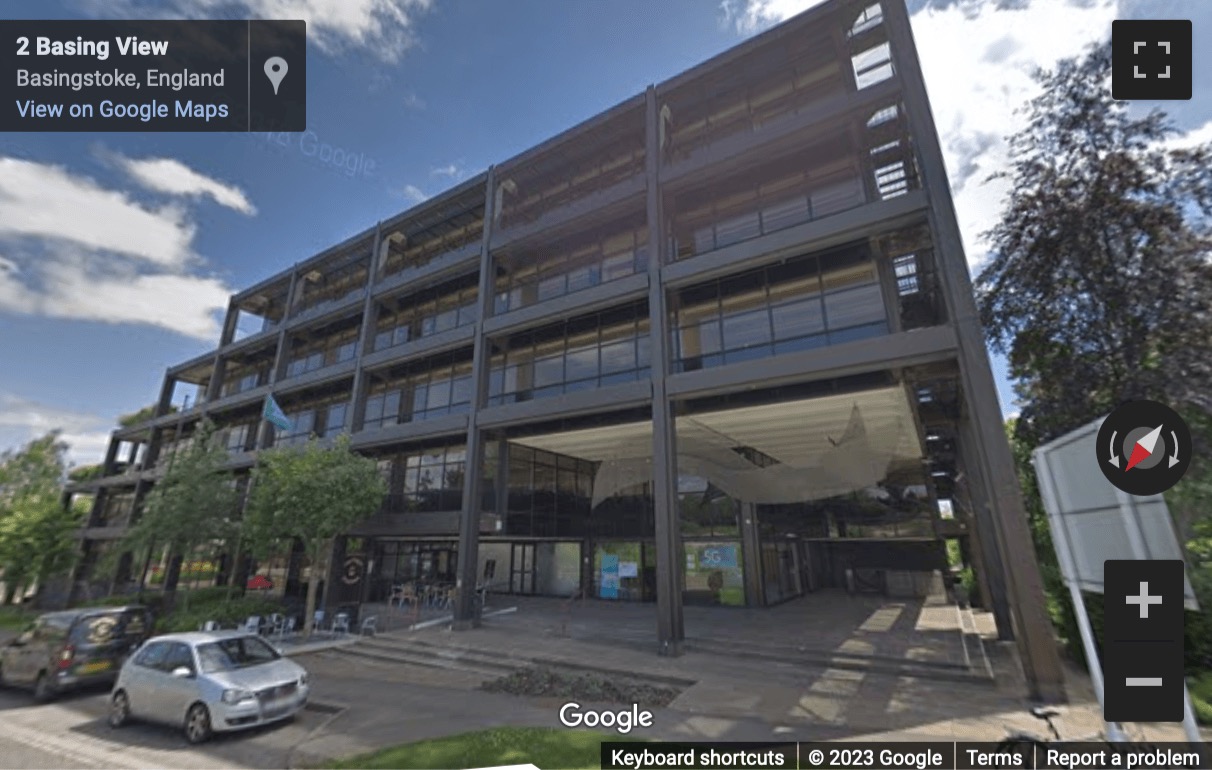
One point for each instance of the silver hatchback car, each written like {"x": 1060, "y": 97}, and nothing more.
{"x": 208, "y": 682}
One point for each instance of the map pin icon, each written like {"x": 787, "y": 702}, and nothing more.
{"x": 275, "y": 70}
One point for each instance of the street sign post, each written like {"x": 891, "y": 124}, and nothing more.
{"x": 1091, "y": 522}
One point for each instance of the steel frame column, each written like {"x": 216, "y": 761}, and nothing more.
{"x": 1033, "y": 633}
{"x": 357, "y": 404}
{"x": 465, "y": 616}
{"x": 670, "y": 623}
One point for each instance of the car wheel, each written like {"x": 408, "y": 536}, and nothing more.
{"x": 197, "y": 723}
{"x": 119, "y": 710}
{"x": 44, "y": 688}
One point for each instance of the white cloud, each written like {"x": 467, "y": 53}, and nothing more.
{"x": 451, "y": 170}
{"x": 977, "y": 59}
{"x": 46, "y": 201}
{"x": 173, "y": 177}
{"x": 1193, "y": 138}
{"x": 413, "y": 194}
{"x": 23, "y": 420}
{"x": 383, "y": 29}
{"x": 75, "y": 249}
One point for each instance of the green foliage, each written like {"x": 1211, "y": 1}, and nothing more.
{"x": 1201, "y": 697}
{"x": 1099, "y": 291}
{"x": 194, "y": 504}
{"x": 82, "y": 473}
{"x": 310, "y": 494}
{"x": 1098, "y": 287}
{"x": 36, "y": 529}
{"x": 192, "y": 614}
{"x": 501, "y": 746}
{"x": 141, "y": 416}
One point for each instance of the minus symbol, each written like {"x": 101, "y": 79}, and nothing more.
{"x": 1143, "y": 681}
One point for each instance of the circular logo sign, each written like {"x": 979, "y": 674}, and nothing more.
{"x": 1144, "y": 447}
{"x": 353, "y": 570}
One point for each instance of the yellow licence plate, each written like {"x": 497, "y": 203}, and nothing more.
{"x": 94, "y": 667}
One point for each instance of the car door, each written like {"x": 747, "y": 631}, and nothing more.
{"x": 178, "y": 692}
{"x": 141, "y": 681}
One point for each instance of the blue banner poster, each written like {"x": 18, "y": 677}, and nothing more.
{"x": 610, "y": 576}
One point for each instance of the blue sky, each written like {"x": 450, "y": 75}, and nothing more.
{"x": 118, "y": 251}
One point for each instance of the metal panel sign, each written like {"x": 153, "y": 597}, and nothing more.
{"x": 1092, "y": 521}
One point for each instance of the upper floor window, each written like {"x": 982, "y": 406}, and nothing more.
{"x": 535, "y": 276}
{"x": 585, "y": 353}
{"x": 803, "y": 303}
{"x": 426, "y": 313}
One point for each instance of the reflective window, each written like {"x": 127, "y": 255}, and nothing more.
{"x": 428, "y": 479}
{"x": 800, "y": 304}
{"x": 420, "y": 390}
{"x": 820, "y": 180}
{"x": 323, "y": 347}
{"x": 583, "y": 353}
{"x": 421, "y": 314}
{"x": 535, "y": 276}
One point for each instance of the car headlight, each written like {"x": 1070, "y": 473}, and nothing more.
{"x": 236, "y": 696}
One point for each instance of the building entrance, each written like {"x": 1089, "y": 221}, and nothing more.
{"x": 522, "y": 568}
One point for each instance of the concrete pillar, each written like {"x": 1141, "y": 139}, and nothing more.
{"x": 670, "y": 625}
{"x": 469, "y": 522}
{"x": 1033, "y": 628}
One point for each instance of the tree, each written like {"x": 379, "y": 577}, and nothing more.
{"x": 36, "y": 529}
{"x": 1099, "y": 288}
{"x": 310, "y": 494}
{"x": 194, "y": 504}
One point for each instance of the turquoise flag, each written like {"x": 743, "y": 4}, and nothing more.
{"x": 274, "y": 414}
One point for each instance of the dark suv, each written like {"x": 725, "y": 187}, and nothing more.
{"x": 63, "y": 650}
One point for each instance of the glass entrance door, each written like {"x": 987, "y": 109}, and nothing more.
{"x": 522, "y": 569}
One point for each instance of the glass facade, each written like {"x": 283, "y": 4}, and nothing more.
{"x": 801, "y": 304}
{"x": 319, "y": 418}
{"x": 241, "y": 377}
{"x": 549, "y": 494}
{"x": 424, "y": 480}
{"x": 421, "y": 390}
{"x": 822, "y": 180}
{"x": 424, "y": 313}
{"x": 322, "y": 348}
{"x": 580, "y": 354}
{"x": 604, "y": 256}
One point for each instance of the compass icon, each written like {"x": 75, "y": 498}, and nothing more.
{"x": 1144, "y": 447}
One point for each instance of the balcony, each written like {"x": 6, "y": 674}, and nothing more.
{"x": 596, "y": 165}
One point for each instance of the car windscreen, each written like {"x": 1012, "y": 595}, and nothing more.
{"x": 235, "y": 653}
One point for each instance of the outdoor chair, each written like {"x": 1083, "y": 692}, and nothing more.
{"x": 288, "y": 627}
{"x": 447, "y": 600}
{"x": 403, "y": 594}
{"x": 370, "y": 623}
{"x": 276, "y": 623}
{"x": 210, "y": 625}
{"x": 340, "y": 623}
{"x": 317, "y": 620}
{"x": 253, "y": 624}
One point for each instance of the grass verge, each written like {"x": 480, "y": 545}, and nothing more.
{"x": 1201, "y": 697}
{"x": 543, "y": 747}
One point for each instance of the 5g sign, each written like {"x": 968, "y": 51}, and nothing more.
{"x": 718, "y": 556}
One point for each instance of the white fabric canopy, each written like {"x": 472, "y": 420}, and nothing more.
{"x": 814, "y": 448}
